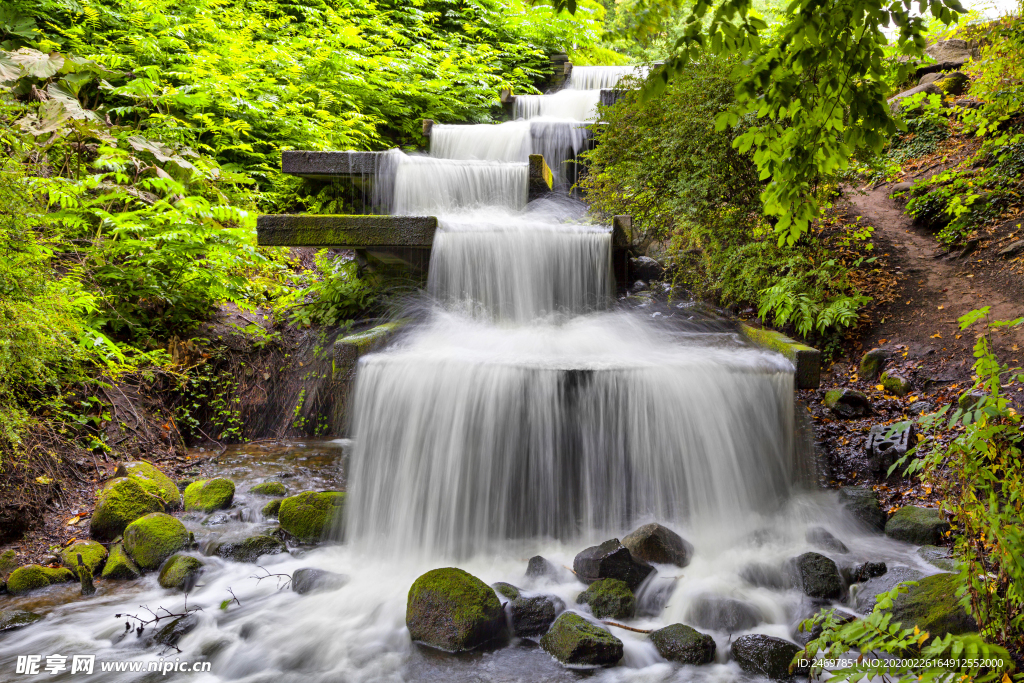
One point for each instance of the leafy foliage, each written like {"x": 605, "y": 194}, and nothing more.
{"x": 335, "y": 295}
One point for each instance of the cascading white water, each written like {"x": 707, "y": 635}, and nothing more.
{"x": 425, "y": 186}
{"x": 601, "y": 77}
{"x": 509, "y": 141}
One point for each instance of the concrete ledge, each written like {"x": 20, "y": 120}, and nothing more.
{"x": 348, "y": 350}
{"x": 806, "y": 358}
{"x": 350, "y": 232}
{"x": 330, "y": 164}
{"x": 541, "y": 179}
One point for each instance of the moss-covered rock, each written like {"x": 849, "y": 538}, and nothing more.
{"x": 506, "y": 590}
{"x": 576, "y": 642}
{"x": 207, "y": 495}
{"x": 871, "y": 364}
{"x": 153, "y": 480}
{"x": 32, "y": 576}
{"x": 269, "y": 488}
{"x": 17, "y": 618}
{"x": 533, "y": 616}
{"x": 917, "y": 525}
{"x": 8, "y": 563}
{"x": 452, "y": 610}
{"x": 819, "y": 577}
{"x": 932, "y": 606}
{"x": 119, "y": 503}
{"x": 308, "y": 516}
{"x": 763, "y": 655}
{"x": 250, "y": 549}
{"x": 680, "y": 643}
{"x": 611, "y": 560}
{"x": 119, "y": 566}
{"x": 181, "y": 572}
{"x": 848, "y": 404}
{"x": 861, "y": 502}
{"x": 609, "y": 599}
{"x": 93, "y": 555}
{"x": 310, "y": 580}
{"x": 152, "y": 539}
{"x": 272, "y": 509}
{"x": 894, "y": 384}
{"x": 954, "y": 84}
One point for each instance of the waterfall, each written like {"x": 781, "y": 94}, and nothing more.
{"x": 425, "y": 186}
{"x": 508, "y": 141}
{"x": 601, "y": 77}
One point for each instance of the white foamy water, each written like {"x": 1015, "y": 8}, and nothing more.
{"x": 425, "y": 186}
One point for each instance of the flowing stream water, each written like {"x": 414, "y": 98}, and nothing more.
{"x": 525, "y": 414}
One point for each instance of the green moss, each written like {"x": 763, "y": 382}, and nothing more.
{"x": 32, "y": 576}
{"x": 308, "y": 516}
{"x": 832, "y": 397}
{"x": 932, "y": 606}
{"x": 609, "y": 598}
{"x": 272, "y": 508}
{"x": 506, "y": 589}
{"x": 269, "y": 488}
{"x": 917, "y": 525}
{"x": 119, "y": 566}
{"x": 118, "y": 504}
{"x": 895, "y": 384}
{"x": 8, "y": 563}
{"x": 180, "y": 571}
{"x": 871, "y": 364}
{"x": 93, "y": 555}
{"x": 575, "y": 641}
{"x": 153, "y": 480}
{"x": 806, "y": 359}
{"x": 452, "y": 610}
{"x": 250, "y": 549}
{"x": 17, "y": 618}
{"x": 683, "y": 644}
{"x": 207, "y": 495}
{"x": 152, "y": 539}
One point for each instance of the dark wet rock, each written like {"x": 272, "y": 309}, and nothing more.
{"x": 119, "y": 566}
{"x": 1012, "y": 249}
{"x": 32, "y": 576}
{"x": 272, "y": 508}
{"x": 932, "y": 606}
{"x": 452, "y": 610}
{"x": 609, "y": 599}
{"x": 918, "y": 408}
{"x": 181, "y": 572}
{"x": 868, "y": 570}
{"x": 171, "y": 634}
{"x": 823, "y": 538}
{"x": 867, "y": 593}
{"x": 310, "y": 580}
{"x": 718, "y": 613}
{"x": 938, "y": 557}
{"x": 819, "y": 577}
{"x": 917, "y": 525}
{"x": 152, "y": 539}
{"x": 765, "y": 576}
{"x": 217, "y": 519}
{"x": 269, "y": 488}
{"x": 848, "y": 404}
{"x": 763, "y": 655}
{"x": 506, "y": 590}
{"x": 683, "y": 644}
{"x": 658, "y": 544}
{"x": 872, "y": 362}
{"x": 153, "y": 480}
{"x": 895, "y": 384}
{"x": 93, "y": 555}
{"x": 954, "y": 83}
{"x": 119, "y": 503}
{"x": 207, "y": 495}
{"x": 308, "y": 516}
{"x": 533, "y": 616}
{"x": 887, "y": 443}
{"x": 611, "y": 560}
{"x": 639, "y": 286}
{"x": 840, "y": 617}
{"x": 17, "y": 618}
{"x": 539, "y": 567}
{"x": 250, "y": 549}
{"x": 576, "y": 642}
{"x": 645, "y": 268}
{"x": 861, "y": 502}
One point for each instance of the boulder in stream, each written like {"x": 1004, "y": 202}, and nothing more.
{"x": 119, "y": 566}
{"x": 93, "y": 555}
{"x": 250, "y": 549}
{"x": 609, "y": 599}
{"x": 311, "y": 580}
{"x": 119, "y": 503}
{"x": 539, "y": 567}
{"x": 683, "y": 644}
{"x": 823, "y": 538}
{"x": 450, "y": 609}
{"x": 576, "y": 642}
{"x": 819, "y": 577}
{"x": 33, "y": 576}
{"x": 207, "y": 495}
{"x": 181, "y": 572}
{"x": 719, "y": 613}
{"x": 861, "y": 502}
{"x": 11, "y": 619}
{"x": 149, "y": 477}
{"x": 272, "y": 509}
{"x": 932, "y": 606}
{"x": 308, "y": 516}
{"x": 152, "y": 539}
{"x": 269, "y": 488}
{"x": 506, "y": 590}
{"x": 659, "y": 544}
{"x": 917, "y": 525}
{"x": 172, "y": 633}
{"x": 533, "y": 616}
{"x": 767, "y": 656}
{"x": 611, "y": 560}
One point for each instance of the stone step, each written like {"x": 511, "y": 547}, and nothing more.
{"x": 346, "y": 232}
{"x": 806, "y": 359}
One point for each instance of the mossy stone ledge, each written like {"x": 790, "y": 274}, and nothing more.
{"x": 208, "y": 495}
{"x": 152, "y": 539}
{"x": 806, "y": 359}
{"x": 93, "y": 555}
{"x": 119, "y": 503}
{"x": 683, "y": 644}
{"x": 917, "y": 525}
{"x": 308, "y": 516}
{"x": 33, "y": 576}
{"x": 450, "y": 609}
{"x": 153, "y": 480}
{"x": 250, "y": 549}
{"x": 577, "y": 643}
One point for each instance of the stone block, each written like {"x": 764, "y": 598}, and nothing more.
{"x": 347, "y": 232}
{"x": 324, "y": 165}
{"x": 806, "y": 359}
{"x": 888, "y": 443}
{"x": 348, "y": 350}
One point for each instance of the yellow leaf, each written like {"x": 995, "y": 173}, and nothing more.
{"x": 879, "y": 387}
{"x": 924, "y": 637}
{"x": 74, "y": 520}
{"x": 912, "y": 399}
{"x": 44, "y": 480}
{"x": 936, "y": 336}
{"x": 941, "y": 307}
